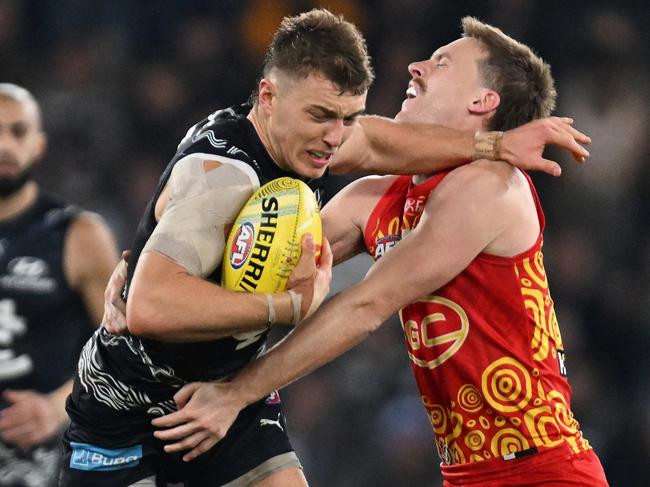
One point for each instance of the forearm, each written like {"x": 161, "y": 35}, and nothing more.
{"x": 165, "y": 303}
{"x": 383, "y": 146}
{"x": 58, "y": 398}
{"x": 336, "y": 327}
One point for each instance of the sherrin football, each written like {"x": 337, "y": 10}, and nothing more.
{"x": 264, "y": 244}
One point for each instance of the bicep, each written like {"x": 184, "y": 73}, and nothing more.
{"x": 90, "y": 256}
{"x": 346, "y": 214}
{"x": 458, "y": 222}
{"x": 345, "y": 237}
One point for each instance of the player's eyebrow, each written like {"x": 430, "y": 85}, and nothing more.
{"x": 439, "y": 55}
{"x": 328, "y": 113}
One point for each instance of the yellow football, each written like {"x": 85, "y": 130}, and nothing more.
{"x": 264, "y": 244}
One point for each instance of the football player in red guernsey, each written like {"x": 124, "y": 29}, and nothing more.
{"x": 478, "y": 318}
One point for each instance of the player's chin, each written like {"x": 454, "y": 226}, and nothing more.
{"x": 402, "y": 116}
{"x": 313, "y": 171}
{"x": 9, "y": 171}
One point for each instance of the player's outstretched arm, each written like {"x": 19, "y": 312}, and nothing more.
{"x": 462, "y": 217}
{"x": 456, "y": 226}
{"x": 383, "y": 146}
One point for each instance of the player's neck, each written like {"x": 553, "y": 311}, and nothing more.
{"x": 470, "y": 124}
{"x": 262, "y": 128}
{"x": 19, "y": 201}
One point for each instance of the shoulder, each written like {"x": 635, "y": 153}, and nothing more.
{"x": 493, "y": 200}
{"x": 202, "y": 174}
{"x": 87, "y": 231}
{"x": 87, "y": 223}
{"x": 369, "y": 186}
{"x": 89, "y": 244}
{"x": 223, "y": 132}
{"x": 483, "y": 191}
{"x": 481, "y": 179}
{"x": 494, "y": 170}
{"x": 231, "y": 170}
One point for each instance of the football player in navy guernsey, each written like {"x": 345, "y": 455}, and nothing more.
{"x": 304, "y": 118}
{"x": 55, "y": 261}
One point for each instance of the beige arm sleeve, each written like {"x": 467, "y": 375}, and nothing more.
{"x": 207, "y": 193}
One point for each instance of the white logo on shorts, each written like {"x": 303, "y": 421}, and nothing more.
{"x": 270, "y": 422}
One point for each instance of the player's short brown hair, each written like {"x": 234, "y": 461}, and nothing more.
{"x": 320, "y": 42}
{"x": 522, "y": 79}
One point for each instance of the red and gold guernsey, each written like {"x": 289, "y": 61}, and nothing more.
{"x": 486, "y": 349}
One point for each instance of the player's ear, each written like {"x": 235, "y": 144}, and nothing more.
{"x": 266, "y": 92}
{"x": 485, "y": 101}
{"x": 41, "y": 145}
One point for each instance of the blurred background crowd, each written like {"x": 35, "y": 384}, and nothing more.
{"x": 121, "y": 81}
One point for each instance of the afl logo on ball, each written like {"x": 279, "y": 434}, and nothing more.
{"x": 242, "y": 245}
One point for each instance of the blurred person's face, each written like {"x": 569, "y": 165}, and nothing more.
{"x": 21, "y": 143}
{"x": 307, "y": 119}
{"x": 446, "y": 89}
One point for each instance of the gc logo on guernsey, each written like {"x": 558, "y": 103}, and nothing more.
{"x": 435, "y": 337}
{"x": 90, "y": 457}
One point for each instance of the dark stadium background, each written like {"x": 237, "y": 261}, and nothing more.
{"x": 121, "y": 81}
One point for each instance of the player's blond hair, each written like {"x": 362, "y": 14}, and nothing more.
{"x": 522, "y": 78}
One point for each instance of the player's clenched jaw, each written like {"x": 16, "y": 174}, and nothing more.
{"x": 315, "y": 77}
{"x": 304, "y": 120}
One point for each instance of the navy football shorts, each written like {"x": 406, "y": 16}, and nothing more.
{"x": 256, "y": 446}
